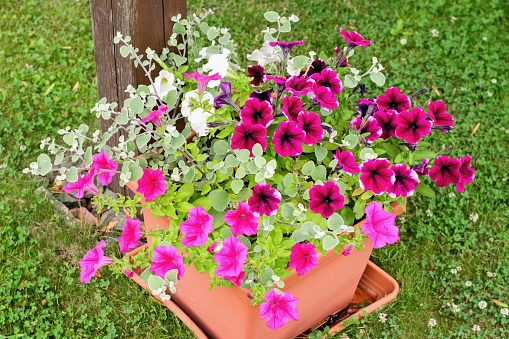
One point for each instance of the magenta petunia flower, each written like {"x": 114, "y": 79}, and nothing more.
{"x": 264, "y": 201}
{"x": 328, "y": 78}
{"x": 393, "y": 99}
{"x": 467, "y": 174}
{"x": 299, "y": 86}
{"x": 154, "y": 115}
{"x": 236, "y": 280}
{"x": 303, "y": 258}
{"x": 437, "y": 112}
{"x": 291, "y": 107}
{"x": 247, "y": 135}
{"x": 257, "y": 72}
{"x": 325, "y": 97}
{"x": 346, "y": 161}
{"x": 230, "y": 258}
{"x": 286, "y": 46}
{"x": 84, "y": 183}
{"x": 242, "y": 221}
{"x": 130, "y": 235}
{"x": 128, "y": 273}
{"x": 387, "y": 121}
{"x": 412, "y": 126}
{"x": 379, "y": 225}
{"x": 369, "y": 126}
{"x": 348, "y": 249}
{"x": 262, "y": 95}
{"x": 445, "y": 171}
{"x": 100, "y": 162}
{"x": 367, "y": 107}
{"x": 288, "y": 139}
{"x": 317, "y": 66}
{"x": 257, "y": 112}
{"x": 405, "y": 181}
{"x": 325, "y": 199}
{"x": 278, "y": 309}
{"x": 202, "y": 79}
{"x": 422, "y": 168}
{"x": 196, "y": 228}
{"x": 376, "y": 175}
{"x": 151, "y": 184}
{"x": 93, "y": 261}
{"x": 166, "y": 258}
{"x": 311, "y": 125}
{"x": 354, "y": 39}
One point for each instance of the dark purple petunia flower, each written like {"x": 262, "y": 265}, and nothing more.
{"x": 325, "y": 199}
{"x": 316, "y": 67}
{"x": 247, "y": 135}
{"x": 288, "y": 139}
{"x": 437, "y": 112}
{"x": 393, "y": 99}
{"x": 257, "y": 72}
{"x": 422, "y": 168}
{"x": 354, "y": 39}
{"x": 405, "y": 181}
{"x": 387, "y": 121}
{"x": 328, "y": 78}
{"x": 224, "y": 98}
{"x": 445, "y": 171}
{"x": 412, "y": 126}
{"x": 325, "y": 98}
{"x": 346, "y": 161}
{"x": 262, "y": 95}
{"x": 467, "y": 174}
{"x": 310, "y": 124}
{"x": 369, "y": 126}
{"x": 367, "y": 107}
{"x": 299, "y": 86}
{"x": 291, "y": 107}
{"x": 264, "y": 201}
{"x": 257, "y": 112}
{"x": 376, "y": 175}
{"x": 286, "y": 46}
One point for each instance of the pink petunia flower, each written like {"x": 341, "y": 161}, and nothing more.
{"x": 412, "y": 126}
{"x": 387, "y": 121}
{"x": 100, "y": 162}
{"x": 93, "y": 261}
{"x": 242, "y": 221}
{"x": 311, "y": 125}
{"x": 325, "y": 199}
{"x": 369, "y": 126}
{"x": 291, "y": 107}
{"x": 280, "y": 82}
{"x": 405, "y": 181}
{"x": 299, "y": 86}
{"x": 154, "y": 115}
{"x": 288, "y": 139}
{"x": 230, "y": 258}
{"x": 354, "y": 39}
{"x": 445, "y": 171}
{"x": 393, "y": 99}
{"x": 257, "y": 112}
{"x": 256, "y": 72}
{"x": 467, "y": 174}
{"x": 437, "y": 112}
{"x": 379, "y": 225}
{"x": 264, "y": 201}
{"x": 151, "y": 184}
{"x": 236, "y": 280}
{"x": 128, "y": 273}
{"x": 346, "y": 161}
{"x": 303, "y": 258}
{"x": 84, "y": 183}
{"x": 348, "y": 249}
{"x": 130, "y": 235}
{"x": 286, "y": 47}
{"x": 166, "y": 258}
{"x": 328, "y": 78}
{"x": 278, "y": 309}
{"x": 247, "y": 135}
{"x": 197, "y": 227}
{"x": 376, "y": 175}
{"x": 202, "y": 79}
{"x": 325, "y": 98}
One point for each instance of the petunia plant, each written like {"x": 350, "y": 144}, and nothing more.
{"x": 277, "y": 161}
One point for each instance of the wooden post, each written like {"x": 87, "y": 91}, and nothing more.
{"x": 148, "y": 23}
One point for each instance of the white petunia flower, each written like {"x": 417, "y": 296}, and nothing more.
{"x": 198, "y": 119}
{"x": 163, "y": 83}
{"x": 218, "y": 63}
{"x": 264, "y": 55}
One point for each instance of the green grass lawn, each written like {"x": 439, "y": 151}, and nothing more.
{"x": 454, "y": 249}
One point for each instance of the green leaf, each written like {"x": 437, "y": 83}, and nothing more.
{"x": 300, "y": 61}
{"x": 44, "y": 163}
{"x": 240, "y": 173}
{"x": 212, "y": 33}
{"x": 266, "y": 275}
{"x": 136, "y": 171}
{"x": 178, "y": 28}
{"x": 329, "y": 242}
{"x": 287, "y": 211}
{"x": 171, "y": 275}
{"x": 298, "y": 236}
{"x": 72, "y": 174}
{"x": 58, "y": 158}
{"x": 203, "y": 202}
{"x": 378, "y": 78}
{"x": 421, "y": 154}
{"x": 271, "y": 16}
{"x": 142, "y": 140}
{"x": 88, "y": 156}
{"x": 319, "y": 173}
{"x": 242, "y": 155}
{"x": 348, "y": 215}
{"x": 367, "y": 154}
{"x": 231, "y": 161}
{"x": 219, "y": 200}
{"x": 155, "y": 282}
{"x": 350, "y": 81}
{"x": 136, "y": 105}
{"x": 425, "y": 190}
{"x": 257, "y": 150}
{"x": 237, "y": 185}
{"x": 320, "y": 152}
{"x": 124, "y": 51}
{"x": 68, "y": 138}
{"x": 122, "y": 119}
{"x": 260, "y": 161}
{"x": 335, "y": 222}
{"x": 220, "y": 147}
{"x": 178, "y": 141}
{"x": 145, "y": 274}
{"x": 171, "y": 98}
{"x": 184, "y": 193}
{"x": 351, "y": 141}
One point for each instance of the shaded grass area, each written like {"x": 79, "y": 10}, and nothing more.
{"x": 40, "y": 294}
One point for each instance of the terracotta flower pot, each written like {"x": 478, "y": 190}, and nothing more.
{"x": 227, "y": 313}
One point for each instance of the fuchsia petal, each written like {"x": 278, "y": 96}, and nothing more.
{"x": 445, "y": 171}
{"x": 230, "y": 258}
{"x": 166, "y": 258}
{"x": 196, "y": 228}
{"x": 393, "y": 99}
{"x": 278, "y": 309}
{"x": 264, "y": 200}
{"x": 242, "y": 221}
{"x": 376, "y": 175}
{"x": 379, "y": 225}
{"x": 151, "y": 184}
{"x": 130, "y": 235}
{"x": 288, "y": 139}
{"x": 93, "y": 261}
{"x": 303, "y": 258}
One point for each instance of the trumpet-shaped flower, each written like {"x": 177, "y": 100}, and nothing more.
{"x": 278, "y": 309}
{"x": 262, "y": 95}
{"x": 166, "y": 258}
{"x": 367, "y": 107}
{"x": 303, "y": 258}
{"x": 202, "y": 79}
{"x": 100, "y": 162}
{"x": 299, "y": 85}
{"x": 387, "y": 121}
{"x": 196, "y": 228}
{"x": 405, "y": 181}
{"x": 288, "y": 139}
{"x": 369, "y": 126}
{"x": 163, "y": 83}
{"x": 412, "y": 126}
{"x": 131, "y": 235}
{"x": 230, "y": 258}
{"x": 445, "y": 171}
{"x": 311, "y": 125}
{"x": 257, "y": 112}
{"x": 242, "y": 221}
{"x": 393, "y": 99}
{"x": 93, "y": 261}
{"x": 257, "y": 72}
{"x": 286, "y": 47}
{"x": 354, "y": 39}
{"x": 236, "y": 280}
{"x": 317, "y": 66}
{"x": 154, "y": 115}
{"x": 328, "y": 78}
{"x": 466, "y": 173}
{"x": 264, "y": 56}
{"x": 151, "y": 184}
{"x": 325, "y": 98}
{"x": 264, "y": 201}
{"x": 291, "y": 107}
{"x": 218, "y": 63}
{"x": 379, "y": 225}
{"x": 247, "y": 135}
{"x": 84, "y": 183}
{"x": 437, "y": 112}
{"x": 346, "y": 161}
{"x": 325, "y": 199}
{"x": 376, "y": 175}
